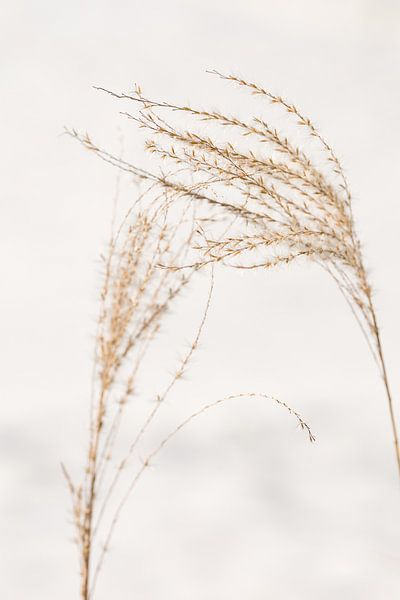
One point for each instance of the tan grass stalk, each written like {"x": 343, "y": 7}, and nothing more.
{"x": 135, "y": 297}
{"x": 288, "y": 202}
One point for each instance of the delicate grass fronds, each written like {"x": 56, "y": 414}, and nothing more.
{"x": 260, "y": 200}
{"x": 135, "y": 296}
{"x": 289, "y": 202}
{"x": 137, "y": 292}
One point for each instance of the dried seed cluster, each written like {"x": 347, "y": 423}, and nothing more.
{"x": 285, "y": 204}
{"x": 136, "y": 295}
{"x": 261, "y": 200}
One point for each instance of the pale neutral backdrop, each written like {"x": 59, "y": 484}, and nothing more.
{"x": 241, "y": 506}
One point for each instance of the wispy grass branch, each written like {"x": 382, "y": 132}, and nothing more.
{"x": 290, "y": 203}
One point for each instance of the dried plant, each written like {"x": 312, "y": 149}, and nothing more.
{"x": 136, "y": 295}
{"x": 286, "y": 202}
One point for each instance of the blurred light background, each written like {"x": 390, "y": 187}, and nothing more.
{"x": 240, "y": 506}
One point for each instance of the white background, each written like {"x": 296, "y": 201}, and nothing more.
{"x": 240, "y": 506}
